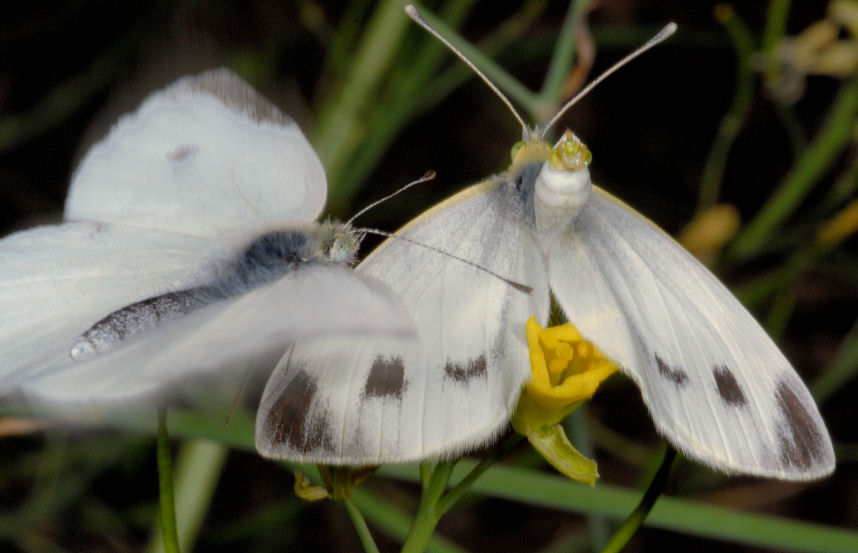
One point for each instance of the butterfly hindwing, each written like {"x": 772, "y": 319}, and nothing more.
{"x": 715, "y": 383}
{"x": 451, "y": 388}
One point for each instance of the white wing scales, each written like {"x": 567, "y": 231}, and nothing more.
{"x": 160, "y": 205}
{"x": 714, "y": 382}
{"x": 312, "y": 300}
{"x": 205, "y": 156}
{"x": 344, "y": 400}
{"x": 56, "y": 281}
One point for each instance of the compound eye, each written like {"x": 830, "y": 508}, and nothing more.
{"x": 343, "y": 248}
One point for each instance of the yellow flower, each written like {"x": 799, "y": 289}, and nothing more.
{"x": 567, "y": 371}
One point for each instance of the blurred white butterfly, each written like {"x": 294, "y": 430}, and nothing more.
{"x": 190, "y": 245}
{"x": 716, "y": 385}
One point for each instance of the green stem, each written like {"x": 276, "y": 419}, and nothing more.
{"x": 197, "y": 469}
{"x": 403, "y": 97}
{"x": 773, "y": 37}
{"x": 734, "y": 119}
{"x": 577, "y": 425}
{"x": 425, "y": 476}
{"x": 433, "y": 506}
{"x": 360, "y": 526}
{"x": 625, "y": 532}
{"x": 842, "y": 368}
{"x": 464, "y": 484}
{"x": 427, "y": 513}
{"x": 165, "y": 487}
{"x": 340, "y": 124}
{"x": 561, "y": 59}
{"x": 773, "y": 34}
{"x": 504, "y": 81}
{"x": 836, "y": 133}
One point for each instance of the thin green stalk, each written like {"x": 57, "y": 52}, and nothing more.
{"x": 842, "y": 368}
{"x": 433, "y": 506}
{"x": 732, "y": 122}
{"x": 692, "y": 517}
{"x": 517, "y": 92}
{"x": 198, "y": 468}
{"x": 427, "y": 514}
{"x": 835, "y": 134}
{"x": 659, "y": 482}
{"x": 388, "y": 517}
{"x": 165, "y": 487}
{"x": 404, "y": 95}
{"x": 425, "y": 476}
{"x": 577, "y": 425}
{"x": 339, "y": 126}
{"x": 844, "y": 187}
{"x": 773, "y": 34}
{"x": 465, "y": 483}
{"x": 561, "y": 59}
{"x": 360, "y": 526}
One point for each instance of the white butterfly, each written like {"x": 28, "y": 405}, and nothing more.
{"x": 716, "y": 385}
{"x": 189, "y": 246}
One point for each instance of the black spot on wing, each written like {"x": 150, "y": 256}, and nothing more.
{"x": 728, "y": 387}
{"x": 386, "y": 378}
{"x": 466, "y": 371}
{"x": 800, "y": 439}
{"x": 676, "y": 375}
{"x": 291, "y": 420}
{"x": 182, "y": 154}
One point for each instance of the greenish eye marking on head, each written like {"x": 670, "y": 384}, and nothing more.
{"x": 516, "y": 148}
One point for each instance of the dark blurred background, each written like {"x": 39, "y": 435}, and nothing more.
{"x": 69, "y": 69}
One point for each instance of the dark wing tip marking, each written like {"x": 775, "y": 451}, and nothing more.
{"x": 676, "y": 375}
{"x": 467, "y": 371}
{"x": 386, "y": 378}
{"x": 728, "y": 387}
{"x": 236, "y": 95}
{"x": 291, "y": 421}
{"x": 800, "y": 439}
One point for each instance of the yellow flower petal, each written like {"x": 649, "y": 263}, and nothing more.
{"x": 567, "y": 371}
{"x": 551, "y": 442}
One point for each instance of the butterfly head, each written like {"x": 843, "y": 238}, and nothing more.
{"x": 342, "y": 243}
{"x": 563, "y": 184}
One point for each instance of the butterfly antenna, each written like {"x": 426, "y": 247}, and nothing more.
{"x": 415, "y": 14}
{"x": 662, "y": 35}
{"x": 517, "y": 285}
{"x": 427, "y": 176}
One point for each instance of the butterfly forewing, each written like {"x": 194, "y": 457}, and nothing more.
{"x": 715, "y": 383}
{"x": 205, "y": 156}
